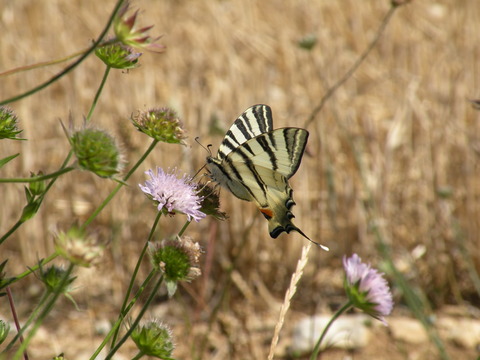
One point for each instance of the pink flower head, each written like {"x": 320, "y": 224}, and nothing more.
{"x": 173, "y": 194}
{"x": 126, "y": 31}
{"x": 367, "y": 289}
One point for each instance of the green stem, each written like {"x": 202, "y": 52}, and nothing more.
{"x": 340, "y": 311}
{"x": 119, "y": 185}
{"x": 138, "y": 356}
{"x": 29, "y": 271}
{"x": 46, "y": 310}
{"x": 40, "y": 200}
{"x": 137, "y": 320}
{"x": 32, "y": 316}
{"x": 184, "y": 228}
{"x": 122, "y": 315}
{"x": 38, "y": 178}
{"x": 99, "y": 91}
{"x": 11, "y": 230}
{"x": 72, "y": 66}
{"x": 137, "y": 268}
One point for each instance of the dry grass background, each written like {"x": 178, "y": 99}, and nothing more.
{"x": 404, "y": 114}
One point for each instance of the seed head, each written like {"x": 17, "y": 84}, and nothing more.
{"x": 161, "y": 124}
{"x": 96, "y": 151}
{"x": 78, "y": 248}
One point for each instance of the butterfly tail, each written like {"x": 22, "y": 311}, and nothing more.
{"x": 280, "y": 218}
{"x": 279, "y": 222}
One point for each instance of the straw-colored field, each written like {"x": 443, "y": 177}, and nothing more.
{"x": 392, "y": 162}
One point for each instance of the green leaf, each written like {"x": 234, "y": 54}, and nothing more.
{"x": 7, "y": 159}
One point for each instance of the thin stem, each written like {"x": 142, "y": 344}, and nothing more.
{"x": 137, "y": 320}
{"x": 316, "y": 349}
{"x": 29, "y": 271}
{"x": 135, "y": 272}
{"x": 17, "y": 322}
{"x": 99, "y": 91}
{"x": 353, "y": 68}
{"x": 119, "y": 185}
{"x": 122, "y": 315}
{"x": 46, "y": 310}
{"x": 40, "y": 200}
{"x": 42, "y": 64}
{"x": 184, "y": 228}
{"x": 11, "y": 230}
{"x": 72, "y": 66}
{"x": 32, "y": 316}
{"x": 38, "y": 178}
{"x": 138, "y": 356}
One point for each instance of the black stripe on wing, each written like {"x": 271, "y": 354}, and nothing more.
{"x": 295, "y": 140}
{"x": 254, "y": 121}
{"x": 248, "y": 164}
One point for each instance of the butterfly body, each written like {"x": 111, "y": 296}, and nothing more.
{"x": 255, "y": 162}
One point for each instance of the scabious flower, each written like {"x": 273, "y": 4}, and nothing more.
{"x": 154, "y": 339}
{"x": 173, "y": 194}
{"x": 96, "y": 151}
{"x": 118, "y": 56}
{"x": 127, "y": 33}
{"x": 78, "y": 248}
{"x": 177, "y": 259}
{"x": 367, "y": 289}
{"x": 161, "y": 124}
{"x": 8, "y": 124}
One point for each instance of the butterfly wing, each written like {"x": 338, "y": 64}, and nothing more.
{"x": 254, "y": 121}
{"x": 258, "y": 170}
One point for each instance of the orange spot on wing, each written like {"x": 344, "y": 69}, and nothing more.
{"x": 267, "y": 213}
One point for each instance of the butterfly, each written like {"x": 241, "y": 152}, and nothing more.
{"x": 255, "y": 163}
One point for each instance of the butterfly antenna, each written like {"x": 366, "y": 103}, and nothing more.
{"x": 207, "y": 148}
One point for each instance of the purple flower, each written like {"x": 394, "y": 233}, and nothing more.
{"x": 367, "y": 289}
{"x": 173, "y": 194}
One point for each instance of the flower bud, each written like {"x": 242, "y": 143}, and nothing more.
{"x": 154, "y": 339}
{"x": 161, "y": 124}
{"x": 177, "y": 259}
{"x": 53, "y": 276}
{"x": 96, "y": 151}
{"x": 8, "y": 124}
{"x": 118, "y": 56}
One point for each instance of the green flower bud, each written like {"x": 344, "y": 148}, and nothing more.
{"x": 96, "y": 151}
{"x": 161, "y": 124}
{"x": 154, "y": 339}
{"x": 8, "y": 124}
{"x": 30, "y": 209}
{"x": 52, "y": 278}
{"x": 38, "y": 187}
{"x": 118, "y": 56}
